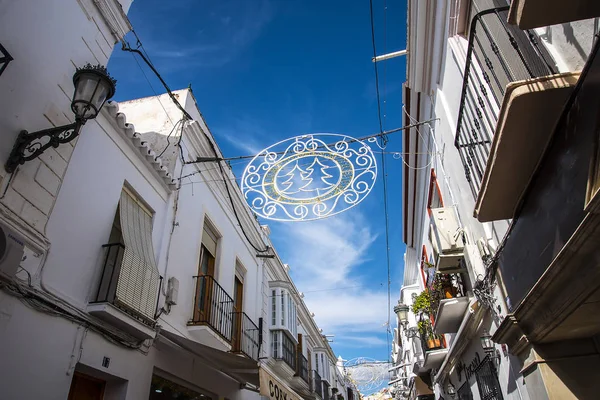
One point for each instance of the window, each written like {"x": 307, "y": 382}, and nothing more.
{"x": 208, "y": 250}
{"x": 283, "y": 307}
{"x": 130, "y": 276}
{"x": 435, "y": 194}
{"x": 283, "y": 311}
{"x": 283, "y": 348}
{"x": 323, "y": 365}
{"x": 274, "y": 307}
{"x": 275, "y": 342}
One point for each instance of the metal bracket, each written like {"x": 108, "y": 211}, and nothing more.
{"x": 29, "y": 146}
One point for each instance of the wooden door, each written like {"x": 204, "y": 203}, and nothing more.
{"x": 84, "y": 387}
{"x": 204, "y": 286}
{"x": 238, "y": 301}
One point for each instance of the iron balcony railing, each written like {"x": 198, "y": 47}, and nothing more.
{"x": 487, "y": 380}
{"x": 326, "y": 395}
{"x": 317, "y": 384}
{"x": 5, "y": 59}
{"x": 288, "y": 351}
{"x": 213, "y": 306}
{"x": 246, "y": 335}
{"x": 302, "y": 367}
{"x": 498, "y": 54}
{"x": 128, "y": 285}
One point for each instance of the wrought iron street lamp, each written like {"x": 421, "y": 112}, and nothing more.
{"x": 488, "y": 347}
{"x": 486, "y": 342}
{"x": 451, "y": 390}
{"x": 93, "y": 87}
{"x": 401, "y": 311}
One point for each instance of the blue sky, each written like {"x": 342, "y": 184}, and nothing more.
{"x": 266, "y": 70}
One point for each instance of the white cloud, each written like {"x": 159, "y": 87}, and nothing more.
{"x": 360, "y": 341}
{"x": 326, "y": 258}
{"x": 244, "y": 134}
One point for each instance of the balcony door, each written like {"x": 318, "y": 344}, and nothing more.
{"x": 238, "y": 301}
{"x": 205, "y": 285}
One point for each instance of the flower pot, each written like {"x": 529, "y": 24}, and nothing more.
{"x": 449, "y": 292}
{"x": 430, "y": 343}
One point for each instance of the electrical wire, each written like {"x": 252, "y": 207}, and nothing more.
{"x": 169, "y": 136}
{"x": 375, "y": 66}
{"x": 353, "y": 140}
{"x": 146, "y": 59}
{"x": 384, "y": 140}
{"x": 41, "y": 302}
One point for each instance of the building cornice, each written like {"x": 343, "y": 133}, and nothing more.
{"x": 115, "y": 18}
{"x": 144, "y": 153}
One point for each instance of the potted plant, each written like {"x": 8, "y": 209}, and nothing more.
{"x": 442, "y": 284}
{"x": 426, "y": 331}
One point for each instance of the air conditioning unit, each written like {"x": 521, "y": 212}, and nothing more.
{"x": 11, "y": 250}
{"x": 172, "y": 291}
{"x": 446, "y": 235}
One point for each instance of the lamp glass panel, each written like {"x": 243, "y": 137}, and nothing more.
{"x": 85, "y": 91}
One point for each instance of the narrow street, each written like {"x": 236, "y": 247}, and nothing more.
{"x": 300, "y": 200}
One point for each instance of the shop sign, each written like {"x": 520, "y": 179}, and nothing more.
{"x": 273, "y": 389}
{"x": 469, "y": 369}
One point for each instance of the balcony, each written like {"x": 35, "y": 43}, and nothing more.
{"x": 300, "y": 381}
{"x": 246, "y": 336}
{"x": 287, "y": 355}
{"x": 449, "y": 294}
{"x": 213, "y": 308}
{"x": 127, "y": 295}
{"x": 549, "y": 262}
{"x": 434, "y": 348}
{"x": 326, "y": 395}
{"x": 302, "y": 368}
{"x": 317, "y": 384}
{"x": 510, "y": 103}
{"x": 528, "y": 14}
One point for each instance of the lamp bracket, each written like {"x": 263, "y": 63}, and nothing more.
{"x": 29, "y": 146}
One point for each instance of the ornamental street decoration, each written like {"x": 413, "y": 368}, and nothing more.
{"x": 368, "y": 374}
{"x": 309, "y": 177}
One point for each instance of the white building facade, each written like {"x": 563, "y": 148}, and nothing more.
{"x": 130, "y": 273}
{"x": 492, "y": 93}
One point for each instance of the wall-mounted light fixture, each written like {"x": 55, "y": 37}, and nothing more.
{"x": 488, "y": 347}
{"x": 401, "y": 311}
{"x": 93, "y": 87}
{"x": 451, "y": 390}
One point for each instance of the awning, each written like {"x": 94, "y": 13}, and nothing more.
{"x": 239, "y": 368}
{"x": 274, "y": 389}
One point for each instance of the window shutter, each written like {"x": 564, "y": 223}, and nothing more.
{"x": 209, "y": 240}
{"x": 138, "y": 282}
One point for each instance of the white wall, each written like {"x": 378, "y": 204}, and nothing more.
{"x": 47, "y": 39}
